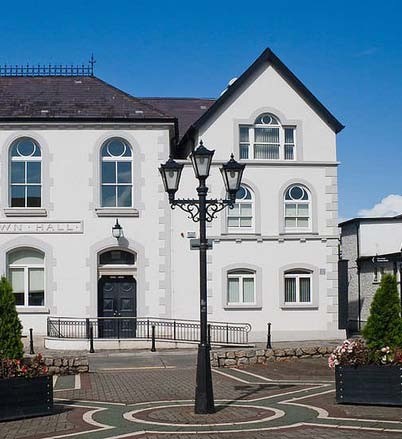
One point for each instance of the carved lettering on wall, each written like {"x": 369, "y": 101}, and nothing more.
{"x": 49, "y": 227}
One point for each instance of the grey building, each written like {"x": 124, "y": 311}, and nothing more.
{"x": 370, "y": 247}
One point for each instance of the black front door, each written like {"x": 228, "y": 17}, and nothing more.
{"x": 117, "y": 304}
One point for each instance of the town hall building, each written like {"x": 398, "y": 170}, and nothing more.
{"x": 78, "y": 153}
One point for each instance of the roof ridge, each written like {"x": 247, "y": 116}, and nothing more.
{"x": 151, "y": 107}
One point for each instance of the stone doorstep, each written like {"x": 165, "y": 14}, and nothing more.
{"x": 240, "y": 358}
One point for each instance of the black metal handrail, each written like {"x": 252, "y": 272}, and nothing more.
{"x": 221, "y": 333}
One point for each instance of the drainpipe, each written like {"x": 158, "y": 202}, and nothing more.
{"x": 358, "y": 275}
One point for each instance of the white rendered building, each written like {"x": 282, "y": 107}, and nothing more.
{"x": 77, "y": 153}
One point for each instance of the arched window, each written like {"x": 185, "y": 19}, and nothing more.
{"x": 25, "y": 173}
{"x": 241, "y": 217}
{"x": 298, "y": 287}
{"x": 116, "y": 177}
{"x": 267, "y": 139}
{"x": 297, "y": 208}
{"x": 26, "y": 273}
{"x": 241, "y": 287}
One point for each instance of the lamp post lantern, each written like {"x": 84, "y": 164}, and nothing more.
{"x": 202, "y": 210}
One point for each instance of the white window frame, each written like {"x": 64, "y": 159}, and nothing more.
{"x": 241, "y": 275}
{"x": 297, "y": 203}
{"x": 116, "y": 184}
{"x": 240, "y": 229}
{"x": 24, "y": 159}
{"x": 26, "y": 268}
{"x": 251, "y": 139}
{"x": 298, "y": 274}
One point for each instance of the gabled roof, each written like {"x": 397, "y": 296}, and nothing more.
{"x": 186, "y": 110}
{"x": 70, "y": 98}
{"x": 269, "y": 58}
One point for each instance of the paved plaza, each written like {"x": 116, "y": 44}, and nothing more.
{"x": 146, "y": 395}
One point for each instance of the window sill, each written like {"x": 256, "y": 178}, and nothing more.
{"x": 242, "y": 307}
{"x": 32, "y": 310}
{"x": 299, "y": 306}
{"x": 298, "y": 232}
{"x": 117, "y": 212}
{"x": 25, "y": 211}
{"x": 240, "y": 233}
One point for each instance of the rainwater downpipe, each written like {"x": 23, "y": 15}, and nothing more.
{"x": 358, "y": 275}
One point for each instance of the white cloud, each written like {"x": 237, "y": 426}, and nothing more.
{"x": 391, "y": 205}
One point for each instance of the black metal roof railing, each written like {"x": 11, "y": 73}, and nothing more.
{"x": 49, "y": 69}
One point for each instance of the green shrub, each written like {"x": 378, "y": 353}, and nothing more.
{"x": 10, "y": 326}
{"x": 384, "y": 325}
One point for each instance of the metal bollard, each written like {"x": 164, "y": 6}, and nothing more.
{"x": 31, "y": 346}
{"x": 153, "y": 348}
{"x": 269, "y": 346}
{"x": 91, "y": 339}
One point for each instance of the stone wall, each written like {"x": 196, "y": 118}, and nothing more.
{"x": 67, "y": 365}
{"x": 240, "y": 358}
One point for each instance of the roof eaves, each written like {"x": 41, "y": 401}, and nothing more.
{"x": 397, "y": 218}
{"x": 23, "y": 119}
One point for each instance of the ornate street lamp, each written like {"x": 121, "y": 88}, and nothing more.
{"x": 171, "y": 173}
{"x": 117, "y": 230}
{"x": 202, "y": 210}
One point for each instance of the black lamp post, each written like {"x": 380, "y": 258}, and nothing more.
{"x": 202, "y": 210}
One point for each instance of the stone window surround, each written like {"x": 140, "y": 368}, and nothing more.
{"x": 313, "y": 208}
{"x": 257, "y": 286}
{"x": 314, "y": 286}
{"x": 97, "y": 173}
{"x": 298, "y": 124}
{"x": 46, "y": 181}
{"x": 256, "y": 230}
{"x": 49, "y": 263}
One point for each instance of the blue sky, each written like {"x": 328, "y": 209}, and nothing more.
{"x": 349, "y": 53}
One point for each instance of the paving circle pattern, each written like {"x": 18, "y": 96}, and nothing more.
{"x": 183, "y": 415}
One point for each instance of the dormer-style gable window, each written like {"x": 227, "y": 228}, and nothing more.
{"x": 267, "y": 139}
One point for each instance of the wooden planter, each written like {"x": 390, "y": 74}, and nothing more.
{"x": 371, "y": 384}
{"x": 24, "y": 397}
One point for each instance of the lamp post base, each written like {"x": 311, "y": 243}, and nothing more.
{"x": 204, "y": 395}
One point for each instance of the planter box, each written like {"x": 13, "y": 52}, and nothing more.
{"x": 371, "y": 384}
{"x": 24, "y": 397}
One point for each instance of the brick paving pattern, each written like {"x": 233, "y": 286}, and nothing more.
{"x": 141, "y": 391}
{"x": 65, "y": 420}
{"x": 291, "y": 433}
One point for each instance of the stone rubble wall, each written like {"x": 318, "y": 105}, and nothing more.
{"x": 67, "y": 365}
{"x": 240, "y": 358}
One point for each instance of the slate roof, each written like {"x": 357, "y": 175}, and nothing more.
{"x": 69, "y": 98}
{"x": 186, "y": 110}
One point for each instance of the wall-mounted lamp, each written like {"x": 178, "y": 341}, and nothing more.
{"x": 117, "y": 230}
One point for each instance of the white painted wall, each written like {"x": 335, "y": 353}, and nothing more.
{"x": 379, "y": 238}
{"x": 167, "y": 271}
{"x": 72, "y": 159}
{"x": 268, "y": 248}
